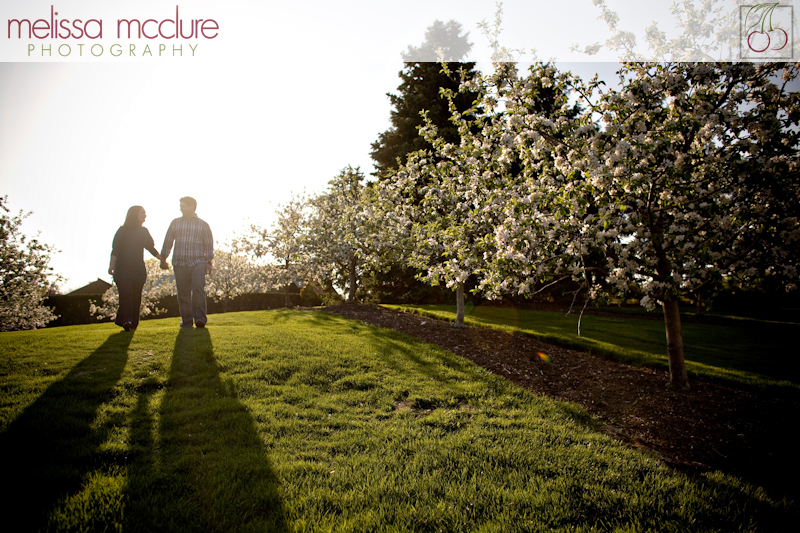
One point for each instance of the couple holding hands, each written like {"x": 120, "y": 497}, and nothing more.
{"x": 191, "y": 261}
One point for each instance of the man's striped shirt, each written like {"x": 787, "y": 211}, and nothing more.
{"x": 193, "y": 241}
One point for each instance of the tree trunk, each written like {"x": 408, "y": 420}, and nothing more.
{"x": 678, "y": 379}
{"x": 286, "y": 287}
{"x": 351, "y": 297}
{"x": 460, "y": 305}
{"x": 698, "y": 302}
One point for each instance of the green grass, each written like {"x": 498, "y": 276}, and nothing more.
{"x": 304, "y": 421}
{"x": 750, "y": 352}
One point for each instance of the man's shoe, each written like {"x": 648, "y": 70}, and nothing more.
{"x": 183, "y": 325}
{"x": 127, "y": 326}
{"x": 200, "y": 324}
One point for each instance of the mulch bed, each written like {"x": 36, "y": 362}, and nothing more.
{"x": 712, "y": 427}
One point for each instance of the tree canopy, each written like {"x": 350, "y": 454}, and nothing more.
{"x": 26, "y": 277}
{"x": 685, "y": 175}
{"x": 341, "y": 232}
{"x": 283, "y": 245}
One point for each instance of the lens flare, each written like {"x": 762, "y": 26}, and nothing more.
{"x": 543, "y": 356}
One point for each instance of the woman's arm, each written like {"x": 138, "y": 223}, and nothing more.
{"x": 112, "y": 265}
{"x": 150, "y": 246}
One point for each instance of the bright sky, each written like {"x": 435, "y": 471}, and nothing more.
{"x": 287, "y": 95}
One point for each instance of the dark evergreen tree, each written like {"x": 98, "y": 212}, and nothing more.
{"x": 419, "y": 91}
{"x": 443, "y": 42}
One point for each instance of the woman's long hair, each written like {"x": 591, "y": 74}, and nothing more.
{"x": 132, "y": 218}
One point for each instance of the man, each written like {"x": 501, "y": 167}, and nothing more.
{"x": 192, "y": 260}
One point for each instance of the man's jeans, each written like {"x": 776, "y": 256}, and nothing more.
{"x": 191, "y": 284}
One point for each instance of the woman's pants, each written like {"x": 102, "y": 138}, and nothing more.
{"x": 130, "y": 301}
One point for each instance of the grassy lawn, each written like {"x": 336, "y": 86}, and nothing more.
{"x": 303, "y": 421}
{"x": 747, "y": 351}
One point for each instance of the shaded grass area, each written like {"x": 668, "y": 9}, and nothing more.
{"x": 762, "y": 311}
{"x": 304, "y": 421}
{"x": 749, "y": 352}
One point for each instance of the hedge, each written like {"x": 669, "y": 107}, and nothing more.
{"x": 74, "y": 309}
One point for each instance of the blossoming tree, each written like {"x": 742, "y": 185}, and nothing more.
{"x": 454, "y": 199}
{"x": 342, "y": 232}
{"x": 436, "y": 202}
{"x": 444, "y": 230}
{"x": 25, "y": 275}
{"x": 233, "y": 275}
{"x": 283, "y": 245}
{"x": 687, "y": 174}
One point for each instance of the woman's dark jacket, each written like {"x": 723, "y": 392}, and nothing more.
{"x": 129, "y": 245}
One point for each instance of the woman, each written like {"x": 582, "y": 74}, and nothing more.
{"x": 127, "y": 265}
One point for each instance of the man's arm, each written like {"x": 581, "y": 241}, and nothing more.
{"x": 208, "y": 242}
{"x": 169, "y": 239}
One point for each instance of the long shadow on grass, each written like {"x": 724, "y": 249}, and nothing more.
{"x": 202, "y": 466}
{"x": 50, "y": 448}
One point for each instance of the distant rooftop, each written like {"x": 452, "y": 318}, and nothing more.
{"x": 94, "y": 288}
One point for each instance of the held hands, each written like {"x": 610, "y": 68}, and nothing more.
{"x": 165, "y": 266}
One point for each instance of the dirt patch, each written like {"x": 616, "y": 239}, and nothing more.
{"x": 712, "y": 427}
